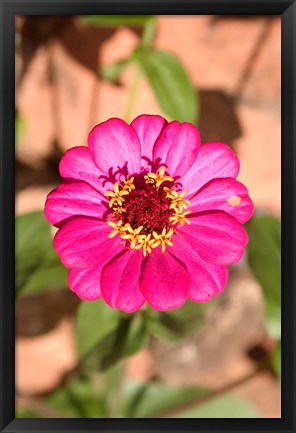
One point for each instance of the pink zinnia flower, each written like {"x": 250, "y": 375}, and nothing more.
{"x": 148, "y": 214}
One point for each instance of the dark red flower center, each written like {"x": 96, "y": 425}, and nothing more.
{"x": 147, "y": 207}
{"x": 145, "y": 212}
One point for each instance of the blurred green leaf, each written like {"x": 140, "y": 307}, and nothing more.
{"x": 113, "y": 378}
{"x": 170, "y": 83}
{"x": 129, "y": 337}
{"x": 176, "y": 324}
{"x": 116, "y": 20}
{"x": 95, "y": 321}
{"x": 33, "y": 239}
{"x": 51, "y": 275}
{"x": 151, "y": 399}
{"x": 20, "y": 125}
{"x": 38, "y": 267}
{"x": 45, "y": 279}
{"x": 264, "y": 255}
{"x": 273, "y": 318}
{"x": 27, "y": 412}
{"x": 276, "y": 359}
{"x": 79, "y": 399}
{"x": 225, "y": 406}
{"x": 112, "y": 72}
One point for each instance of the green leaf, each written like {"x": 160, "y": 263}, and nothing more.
{"x": 151, "y": 399}
{"x": 116, "y": 20}
{"x": 170, "y": 83}
{"x": 176, "y": 324}
{"x": 46, "y": 279}
{"x": 79, "y": 399}
{"x": 113, "y": 378}
{"x": 225, "y": 406}
{"x": 51, "y": 275}
{"x": 129, "y": 337}
{"x": 20, "y": 126}
{"x": 33, "y": 240}
{"x": 95, "y": 321}
{"x": 38, "y": 267}
{"x": 264, "y": 255}
{"x": 27, "y": 412}
{"x": 276, "y": 359}
{"x": 113, "y": 71}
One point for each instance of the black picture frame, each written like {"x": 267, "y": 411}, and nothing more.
{"x": 8, "y": 9}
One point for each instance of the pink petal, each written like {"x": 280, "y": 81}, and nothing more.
{"x": 217, "y": 237}
{"x": 148, "y": 128}
{"x": 85, "y": 242}
{"x": 86, "y": 282}
{"x": 214, "y": 160}
{"x": 227, "y": 195}
{"x": 177, "y": 147}
{"x": 165, "y": 281}
{"x": 115, "y": 145}
{"x": 73, "y": 199}
{"x": 78, "y": 164}
{"x": 120, "y": 282}
{"x": 207, "y": 280}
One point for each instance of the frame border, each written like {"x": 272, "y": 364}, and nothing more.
{"x": 8, "y": 10}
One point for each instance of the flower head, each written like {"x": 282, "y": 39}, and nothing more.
{"x": 148, "y": 214}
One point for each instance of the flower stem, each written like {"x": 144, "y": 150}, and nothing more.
{"x": 132, "y": 95}
{"x": 148, "y": 34}
{"x": 146, "y": 42}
